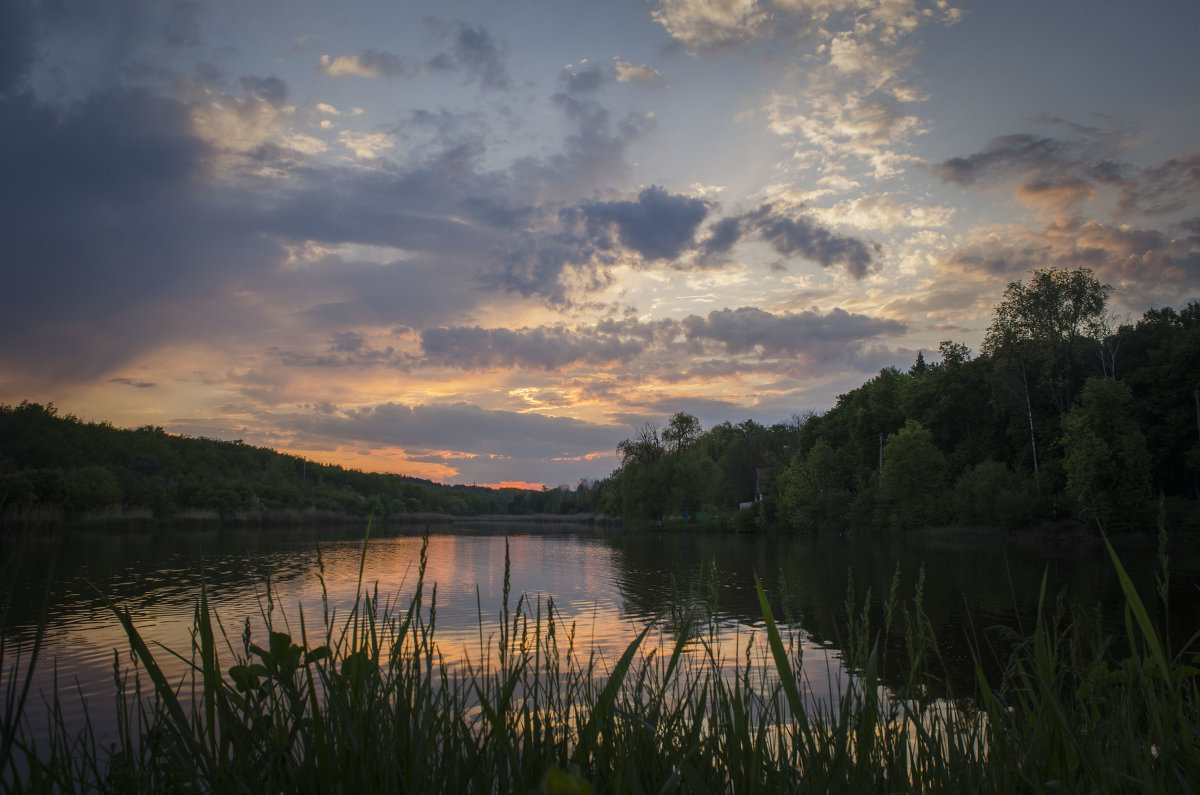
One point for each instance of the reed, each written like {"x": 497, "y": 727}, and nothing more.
{"x": 369, "y": 702}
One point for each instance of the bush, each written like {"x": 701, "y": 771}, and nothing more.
{"x": 992, "y": 495}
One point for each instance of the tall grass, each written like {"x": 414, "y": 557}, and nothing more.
{"x": 369, "y": 702}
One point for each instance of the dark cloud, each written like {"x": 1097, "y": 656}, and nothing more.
{"x": 1002, "y": 259}
{"x": 476, "y": 50}
{"x": 583, "y": 81}
{"x": 271, "y": 89}
{"x": 658, "y": 226}
{"x": 1191, "y": 227}
{"x": 1060, "y": 172}
{"x": 545, "y": 348}
{"x": 799, "y": 235}
{"x": 1144, "y": 265}
{"x": 722, "y": 237}
{"x": 1003, "y": 157}
{"x": 347, "y": 342}
{"x": 459, "y": 427}
{"x": 593, "y": 236}
{"x": 1163, "y": 189}
{"x": 109, "y": 246}
{"x": 344, "y": 349}
{"x": 180, "y": 27}
{"x": 1050, "y": 171}
{"x": 536, "y": 265}
{"x": 133, "y": 383}
{"x": 807, "y": 334}
{"x": 380, "y": 63}
{"x": 16, "y": 43}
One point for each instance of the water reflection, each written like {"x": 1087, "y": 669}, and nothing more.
{"x": 607, "y": 586}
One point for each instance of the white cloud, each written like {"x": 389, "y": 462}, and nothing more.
{"x": 346, "y": 66}
{"x": 367, "y": 145}
{"x": 238, "y": 126}
{"x": 636, "y": 73}
{"x": 884, "y": 212}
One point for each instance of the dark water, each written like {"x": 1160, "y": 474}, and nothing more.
{"x": 610, "y": 585}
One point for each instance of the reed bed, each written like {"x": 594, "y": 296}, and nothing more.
{"x": 368, "y": 702}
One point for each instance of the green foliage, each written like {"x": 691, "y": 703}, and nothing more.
{"x": 990, "y": 494}
{"x": 913, "y": 481}
{"x": 58, "y": 463}
{"x": 1106, "y": 462}
{"x": 812, "y": 491}
{"x": 685, "y": 470}
{"x": 1044, "y": 325}
{"x": 978, "y": 414}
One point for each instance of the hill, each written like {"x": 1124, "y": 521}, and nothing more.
{"x": 57, "y": 467}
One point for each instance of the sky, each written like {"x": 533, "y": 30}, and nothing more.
{"x": 483, "y": 242}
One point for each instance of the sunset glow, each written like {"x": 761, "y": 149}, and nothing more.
{"x": 482, "y": 243}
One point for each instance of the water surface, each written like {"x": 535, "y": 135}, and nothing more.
{"x": 608, "y": 585}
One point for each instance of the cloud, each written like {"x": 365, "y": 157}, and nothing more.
{"x": 477, "y": 52}
{"x": 367, "y": 145}
{"x": 1062, "y": 174}
{"x": 583, "y": 81}
{"x": 1007, "y": 155}
{"x": 575, "y": 251}
{"x": 799, "y": 235}
{"x": 626, "y": 72}
{"x": 884, "y": 212}
{"x": 1054, "y": 173}
{"x": 473, "y": 51}
{"x": 269, "y": 89}
{"x": 545, "y": 348}
{"x": 705, "y": 25}
{"x": 809, "y": 334}
{"x": 1145, "y": 266}
{"x": 722, "y": 237}
{"x": 377, "y": 63}
{"x": 1163, "y": 189}
{"x": 344, "y": 349}
{"x": 133, "y": 383}
{"x": 460, "y": 427}
{"x": 16, "y": 43}
{"x": 111, "y": 247}
{"x": 843, "y": 123}
{"x": 658, "y": 226}
{"x": 854, "y": 109}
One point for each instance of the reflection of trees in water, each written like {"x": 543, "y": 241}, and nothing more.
{"x": 160, "y": 569}
{"x": 969, "y": 586}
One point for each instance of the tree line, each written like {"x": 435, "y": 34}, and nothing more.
{"x": 54, "y": 465}
{"x": 1064, "y": 413}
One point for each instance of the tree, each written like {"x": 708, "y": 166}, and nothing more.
{"x": 918, "y": 367}
{"x": 812, "y": 494}
{"x": 1107, "y": 465}
{"x": 913, "y": 481}
{"x": 682, "y": 430}
{"x": 954, "y": 354}
{"x": 1038, "y": 332}
{"x": 1041, "y": 324}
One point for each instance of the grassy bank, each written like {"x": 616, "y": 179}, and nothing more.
{"x": 369, "y": 702}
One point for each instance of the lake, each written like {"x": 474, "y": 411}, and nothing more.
{"x": 610, "y": 585}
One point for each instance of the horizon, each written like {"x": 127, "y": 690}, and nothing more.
{"x": 481, "y": 243}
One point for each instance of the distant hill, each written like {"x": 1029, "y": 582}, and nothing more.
{"x": 57, "y": 467}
